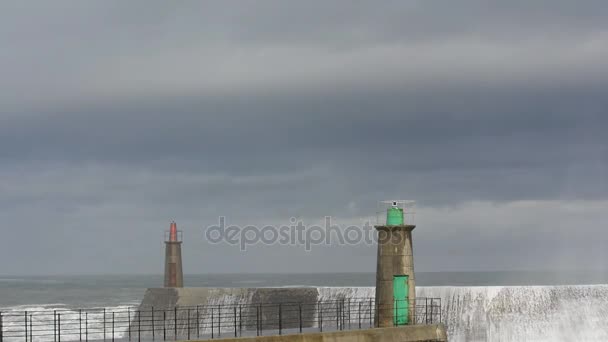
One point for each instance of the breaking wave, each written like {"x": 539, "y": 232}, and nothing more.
{"x": 513, "y": 313}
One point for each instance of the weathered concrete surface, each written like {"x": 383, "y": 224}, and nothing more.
{"x": 174, "y": 275}
{"x": 395, "y": 257}
{"x": 192, "y": 296}
{"x": 414, "y": 333}
{"x": 290, "y": 299}
{"x": 160, "y": 298}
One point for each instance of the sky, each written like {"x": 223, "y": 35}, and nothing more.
{"x": 118, "y": 117}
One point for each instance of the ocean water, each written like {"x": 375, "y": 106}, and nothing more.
{"x": 86, "y": 291}
{"x": 476, "y": 306}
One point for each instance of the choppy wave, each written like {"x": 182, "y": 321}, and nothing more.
{"x": 249, "y": 282}
{"x": 41, "y": 320}
{"x": 12, "y": 280}
{"x": 31, "y": 280}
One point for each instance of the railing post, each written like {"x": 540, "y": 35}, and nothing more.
{"x": 138, "y": 325}
{"x": 431, "y": 312}
{"x": 104, "y": 324}
{"x": 79, "y": 324}
{"x": 280, "y": 320}
{"x": 129, "y": 322}
{"x": 370, "y": 313}
{"x": 25, "y": 316}
{"x": 188, "y": 323}
{"x": 86, "y": 326}
{"x": 54, "y": 325}
{"x": 341, "y": 304}
{"x": 343, "y": 314}
{"x": 320, "y": 316}
{"x": 299, "y": 316}
{"x": 426, "y": 310}
{"x": 152, "y": 313}
{"x": 359, "y": 315}
{"x": 1, "y": 327}
{"x": 235, "y": 328}
{"x": 212, "y": 322}
{"x": 59, "y": 327}
{"x": 175, "y": 322}
{"x": 198, "y": 323}
{"x": 112, "y": 326}
{"x": 348, "y": 313}
{"x": 164, "y": 324}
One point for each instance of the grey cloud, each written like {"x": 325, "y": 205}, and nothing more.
{"x": 116, "y": 118}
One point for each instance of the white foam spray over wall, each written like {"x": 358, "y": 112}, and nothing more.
{"x": 492, "y": 313}
{"x": 513, "y": 313}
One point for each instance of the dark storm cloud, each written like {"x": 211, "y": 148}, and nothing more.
{"x": 374, "y": 135}
{"x": 115, "y": 115}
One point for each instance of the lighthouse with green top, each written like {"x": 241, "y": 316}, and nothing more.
{"x": 395, "y": 282}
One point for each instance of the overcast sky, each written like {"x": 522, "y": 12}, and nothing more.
{"x": 118, "y": 117}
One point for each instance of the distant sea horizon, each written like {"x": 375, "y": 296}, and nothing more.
{"x": 107, "y": 290}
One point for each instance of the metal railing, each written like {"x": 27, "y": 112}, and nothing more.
{"x": 206, "y": 321}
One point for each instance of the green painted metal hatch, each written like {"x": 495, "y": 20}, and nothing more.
{"x": 401, "y": 301}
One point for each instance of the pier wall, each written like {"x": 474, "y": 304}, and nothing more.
{"x": 413, "y": 333}
{"x": 192, "y": 296}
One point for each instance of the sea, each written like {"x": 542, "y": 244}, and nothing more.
{"x": 477, "y": 306}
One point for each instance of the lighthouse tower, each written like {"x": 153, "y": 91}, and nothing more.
{"x": 174, "y": 276}
{"x": 395, "y": 283}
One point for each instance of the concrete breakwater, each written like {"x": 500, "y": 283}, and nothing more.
{"x": 257, "y": 308}
{"x": 414, "y": 333}
{"x": 230, "y": 312}
{"x": 171, "y": 297}
{"x": 471, "y": 313}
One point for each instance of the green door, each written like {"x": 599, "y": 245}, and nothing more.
{"x": 401, "y": 302}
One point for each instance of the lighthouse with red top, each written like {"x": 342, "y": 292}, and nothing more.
{"x": 174, "y": 276}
